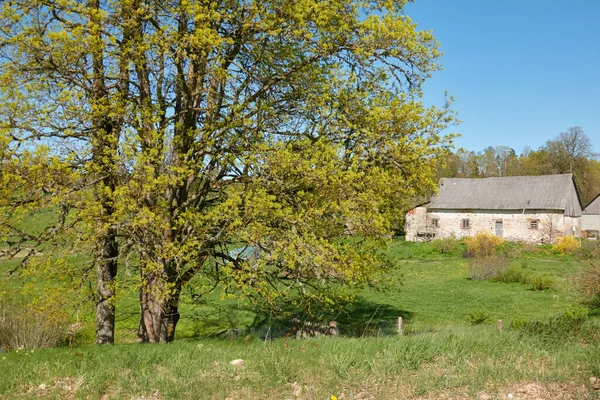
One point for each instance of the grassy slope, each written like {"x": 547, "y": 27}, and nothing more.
{"x": 443, "y": 354}
{"x": 462, "y": 362}
{"x": 437, "y": 290}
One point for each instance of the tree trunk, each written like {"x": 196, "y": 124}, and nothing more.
{"x": 159, "y": 307}
{"x": 107, "y": 252}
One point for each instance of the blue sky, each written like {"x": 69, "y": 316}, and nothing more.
{"x": 520, "y": 71}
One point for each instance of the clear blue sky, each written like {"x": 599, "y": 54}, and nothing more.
{"x": 521, "y": 71}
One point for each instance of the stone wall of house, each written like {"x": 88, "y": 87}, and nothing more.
{"x": 590, "y": 222}
{"x": 590, "y": 225}
{"x": 529, "y": 225}
{"x": 415, "y": 225}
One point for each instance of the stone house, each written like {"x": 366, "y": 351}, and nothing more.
{"x": 518, "y": 208}
{"x": 590, "y": 220}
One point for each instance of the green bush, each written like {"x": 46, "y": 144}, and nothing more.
{"x": 445, "y": 245}
{"x": 518, "y": 324}
{"x": 541, "y": 282}
{"x": 478, "y": 317}
{"x": 564, "y": 325}
{"x": 513, "y": 274}
{"x": 511, "y": 249}
{"x": 573, "y": 317}
{"x": 519, "y": 274}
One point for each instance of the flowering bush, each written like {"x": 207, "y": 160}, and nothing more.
{"x": 566, "y": 245}
{"x": 483, "y": 244}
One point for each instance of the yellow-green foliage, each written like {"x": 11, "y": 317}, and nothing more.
{"x": 201, "y": 126}
{"x": 566, "y": 245}
{"x": 483, "y": 244}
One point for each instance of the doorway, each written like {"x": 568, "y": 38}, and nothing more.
{"x": 499, "y": 228}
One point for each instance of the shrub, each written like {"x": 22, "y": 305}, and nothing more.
{"x": 541, "y": 282}
{"x": 519, "y": 274}
{"x": 573, "y": 317}
{"x": 511, "y": 250}
{"x": 478, "y": 317}
{"x": 518, "y": 324}
{"x": 566, "y": 245}
{"x": 445, "y": 245}
{"x": 513, "y": 274}
{"x": 483, "y": 268}
{"x": 483, "y": 244}
{"x": 589, "y": 250}
{"x": 588, "y": 284}
{"x": 21, "y": 328}
{"x": 563, "y": 325}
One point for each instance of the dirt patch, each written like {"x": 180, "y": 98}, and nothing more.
{"x": 65, "y": 388}
{"x": 524, "y": 391}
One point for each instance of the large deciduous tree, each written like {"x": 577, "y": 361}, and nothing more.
{"x": 202, "y": 126}
{"x": 568, "y": 147}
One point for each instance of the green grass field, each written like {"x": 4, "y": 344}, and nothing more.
{"x": 441, "y": 354}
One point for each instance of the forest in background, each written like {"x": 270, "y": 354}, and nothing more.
{"x": 569, "y": 152}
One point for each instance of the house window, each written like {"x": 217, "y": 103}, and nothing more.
{"x": 435, "y": 222}
{"x": 534, "y": 224}
{"x": 466, "y": 223}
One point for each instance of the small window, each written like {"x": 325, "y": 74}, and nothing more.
{"x": 534, "y": 224}
{"x": 466, "y": 223}
{"x": 435, "y": 222}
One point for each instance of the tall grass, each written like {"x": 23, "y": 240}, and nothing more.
{"x": 458, "y": 361}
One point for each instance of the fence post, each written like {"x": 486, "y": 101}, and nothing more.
{"x": 400, "y": 327}
{"x": 499, "y": 325}
{"x": 333, "y": 329}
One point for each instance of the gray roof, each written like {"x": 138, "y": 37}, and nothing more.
{"x": 594, "y": 207}
{"x": 546, "y": 192}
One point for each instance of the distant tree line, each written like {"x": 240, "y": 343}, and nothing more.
{"x": 569, "y": 152}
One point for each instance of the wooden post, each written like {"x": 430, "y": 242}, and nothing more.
{"x": 499, "y": 325}
{"x": 400, "y": 328}
{"x": 333, "y": 329}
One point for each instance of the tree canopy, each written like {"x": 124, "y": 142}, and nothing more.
{"x": 184, "y": 129}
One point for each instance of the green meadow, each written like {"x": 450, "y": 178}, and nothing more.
{"x": 549, "y": 346}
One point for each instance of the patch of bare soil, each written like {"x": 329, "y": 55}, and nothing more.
{"x": 66, "y": 388}
{"x": 529, "y": 391}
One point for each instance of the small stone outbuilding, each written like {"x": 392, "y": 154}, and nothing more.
{"x": 518, "y": 208}
{"x": 590, "y": 220}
